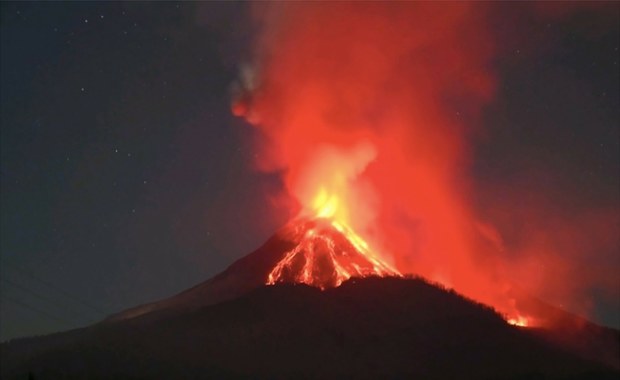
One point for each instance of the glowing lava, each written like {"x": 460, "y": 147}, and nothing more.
{"x": 328, "y": 251}
{"x": 518, "y": 321}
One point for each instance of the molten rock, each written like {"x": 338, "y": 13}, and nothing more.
{"x": 326, "y": 254}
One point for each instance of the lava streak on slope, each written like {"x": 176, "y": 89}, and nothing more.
{"x": 328, "y": 250}
{"x": 327, "y": 254}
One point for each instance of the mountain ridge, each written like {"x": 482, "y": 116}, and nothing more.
{"x": 236, "y": 325}
{"x": 366, "y": 328}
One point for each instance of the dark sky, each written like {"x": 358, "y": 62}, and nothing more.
{"x": 126, "y": 179}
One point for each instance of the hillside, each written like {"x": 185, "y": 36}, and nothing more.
{"x": 366, "y": 328}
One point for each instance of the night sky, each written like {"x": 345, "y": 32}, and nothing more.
{"x": 126, "y": 179}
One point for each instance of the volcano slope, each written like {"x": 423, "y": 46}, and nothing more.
{"x": 308, "y": 250}
{"x": 366, "y": 328}
{"x": 376, "y": 324}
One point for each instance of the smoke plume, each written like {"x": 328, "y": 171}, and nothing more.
{"x": 379, "y": 103}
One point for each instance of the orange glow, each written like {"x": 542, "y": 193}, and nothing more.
{"x": 325, "y": 205}
{"x": 518, "y": 321}
{"x": 354, "y": 116}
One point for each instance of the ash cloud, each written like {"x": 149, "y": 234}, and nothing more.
{"x": 415, "y": 83}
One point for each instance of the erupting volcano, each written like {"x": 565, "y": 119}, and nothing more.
{"x": 406, "y": 250}
{"x": 327, "y": 250}
{"x": 327, "y": 254}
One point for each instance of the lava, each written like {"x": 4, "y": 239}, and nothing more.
{"x": 327, "y": 254}
{"x": 518, "y": 321}
{"x": 328, "y": 251}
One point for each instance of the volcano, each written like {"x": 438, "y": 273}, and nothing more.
{"x": 315, "y": 302}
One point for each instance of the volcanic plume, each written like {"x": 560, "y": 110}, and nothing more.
{"x": 368, "y": 110}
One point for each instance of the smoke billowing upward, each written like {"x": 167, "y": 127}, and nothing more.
{"x": 377, "y": 104}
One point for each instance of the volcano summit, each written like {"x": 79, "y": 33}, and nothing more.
{"x": 327, "y": 253}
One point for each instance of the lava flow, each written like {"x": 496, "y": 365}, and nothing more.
{"x": 328, "y": 251}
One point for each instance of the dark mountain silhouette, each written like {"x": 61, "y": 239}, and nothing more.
{"x": 252, "y": 271}
{"x": 234, "y": 326}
